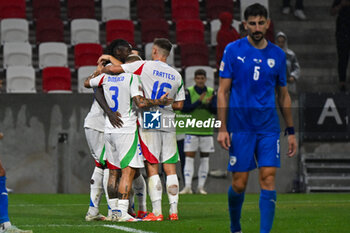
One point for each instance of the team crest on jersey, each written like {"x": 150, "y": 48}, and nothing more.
{"x": 222, "y": 65}
{"x": 271, "y": 62}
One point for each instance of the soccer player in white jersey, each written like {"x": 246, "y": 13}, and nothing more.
{"x": 158, "y": 146}
{"x": 123, "y": 143}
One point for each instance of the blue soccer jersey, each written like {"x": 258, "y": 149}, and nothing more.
{"x": 255, "y": 74}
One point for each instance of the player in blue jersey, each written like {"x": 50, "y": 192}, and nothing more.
{"x": 251, "y": 70}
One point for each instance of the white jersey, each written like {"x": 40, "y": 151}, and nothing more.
{"x": 118, "y": 91}
{"x": 157, "y": 78}
{"x": 95, "y": 118}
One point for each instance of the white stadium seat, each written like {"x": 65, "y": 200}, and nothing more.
{"x": 83, "y": 73}
{"x": 112, "y": 9}
{"x": 20, "y": 79}
{"x": 85, "y": 31}
{"x": 53, "y": 54}
{"x": 14, "y": 30}
{"x": 17, "y": 54}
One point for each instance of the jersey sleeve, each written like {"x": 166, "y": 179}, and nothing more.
{"x": 135, "y": 86}
{"x": 133, "y": 67}
{"x": 226, "y": 65}
{"x": 180, "y": 94}
{"x": 282, "y": 71}
{"x": 97, "y": 81}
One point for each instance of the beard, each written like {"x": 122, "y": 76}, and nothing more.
{"x": 257, "y": 36}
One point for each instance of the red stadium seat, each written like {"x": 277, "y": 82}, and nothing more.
{"x": 215, "y": 7}
{"x": 46, "y": 9}
{"x": 184, "y": 9}
{"x": 154, "y": 28}
{"x": 194, "y": 54}
{"x": 189, "y": 31}
{"x": 79, "y": 9}
{"x": 12, "y": 9}
{"x": 49, "y": 30}
{"x": 87, "y": 54}
{"x": 120, "y": 29}
{"x": 56, "y": 78}
{"x": 150, "y": 9}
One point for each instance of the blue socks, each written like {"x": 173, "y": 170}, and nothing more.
{"x": 235, "y": 202}
{"x": 4, "y": 216}
{"x": 267, "y": 206}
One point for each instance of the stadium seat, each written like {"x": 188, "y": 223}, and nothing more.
{"x": 215, "y": 7}
{"x": 56, "y": 79}
{"x": 46, "y": 9}
{"x": 17, "y": 54}
{"x": 83, "y": 73}
{"x": 189, "y": 75}
{"x": 148, "y": 52}
{"x": 112, "y": 9}
{"x": 189, "y": 31}
{"x": 80, "y": 9}
{"x": 49, "y": 30}
{"x": 194, "y": 54}
{"x": 215, "y": 27}
{"x": 12, "y": 9}
{"x": 53, "y": 54}
{"x": 20, "y": 79}
{"x": 120, "y": 29}
{"x": 87, "y": 54}
{"x": 14, "y": 30}
{"x": 85, "y": 31}
{"x": 246, "y": 3}
{"x": 150, "y": 9}
{"x": 154, "y": 28}
{"x": 184, "y": 9}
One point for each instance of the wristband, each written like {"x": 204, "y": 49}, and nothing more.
{"x": 289, "y": 131}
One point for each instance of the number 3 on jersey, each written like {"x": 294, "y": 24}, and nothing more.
{"x": 115, "y": 98}
{"x": 256, "y": 73}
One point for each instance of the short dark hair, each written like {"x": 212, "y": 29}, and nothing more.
{"x": 132, "y": 58}
{"x": 200, "y": 72}
{"x": 115, "y": 44}
{"x": 255, "y": 9}
{"x": 163, "y": 43}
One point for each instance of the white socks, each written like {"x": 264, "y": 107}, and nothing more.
{"x": 172, "y": 186}
{"x": 155, "y": 194}
{"x": 140, "y": 190}
{"x": 202, "y": 171}
{"x": 113, "y": 204}
{"x": 105, "y": 183}
{"x": 96, "y": 190}
{"x": 188, "y": 171}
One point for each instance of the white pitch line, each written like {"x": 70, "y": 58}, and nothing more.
{"x": 127, "y": 229}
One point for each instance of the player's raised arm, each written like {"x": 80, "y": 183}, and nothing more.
{"x": 113, "y": 69}
{"x": 223, "y": 93}
{"x": 286, "y": 104}
{"x": 143, "y": 102}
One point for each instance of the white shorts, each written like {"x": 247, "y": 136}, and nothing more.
{"x": 123, "y": 150}
{"x": 96, "y": 142}
{"x": 205, "y": 144}
{"x": 159, "y": 146}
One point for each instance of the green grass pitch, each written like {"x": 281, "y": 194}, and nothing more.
{"x": 295, "y": 213}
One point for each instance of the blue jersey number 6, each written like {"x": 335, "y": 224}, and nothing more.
{"x": 115, "y": 98}
{"x": 156, "y": 94}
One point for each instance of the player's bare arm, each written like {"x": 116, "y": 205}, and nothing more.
{"x": 105, "y": 57}
{"x": 178, "y": 105}
{"x": 223, "y": 93}
{"x": 286, "y": 108}
{"x": 143, "y": 102}
{"x": 113, "y": 69}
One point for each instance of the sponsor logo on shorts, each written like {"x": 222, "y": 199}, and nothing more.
{"x": 233, "y": 160}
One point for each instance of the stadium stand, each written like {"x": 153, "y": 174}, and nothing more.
{"x": 17, "y": 54}
{"x": 83, "y": 73}
{"x": 193, "y": 54}
{"x": 87, "y": 54}
{"x": 49, "y": 30}
{"x": 215, "y": 7}
{"x": 20, "y": 79}
{"x": 189, "y": 31}
{"x": 79, "y": 9}
{"x": 53, "y": 54}
{"x": 85, "y": 31}
{"x": 56, "y": 79}
{"x": 46, "y": 9}
{"x": 14, "y": 30}
{"x": 112, "y": 9}
{"x": 150, "y": 9}
{"x": 12, "y": 9}
{"x": 154, "y": 28}
{"x": 120, "y": 29}
{"x": 188, "y": 9}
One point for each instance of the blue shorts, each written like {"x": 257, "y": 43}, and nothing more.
{"x": 250, "y": 150}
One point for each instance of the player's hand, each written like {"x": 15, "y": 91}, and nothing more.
{"x": 103, "y": 58}
{"x": 292, "y": 145}
{"x": 165, "y": 100}
{"x": 1, "y": 136}
{"x": 115, "y": 119}
{"x": 224, "y": 139}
